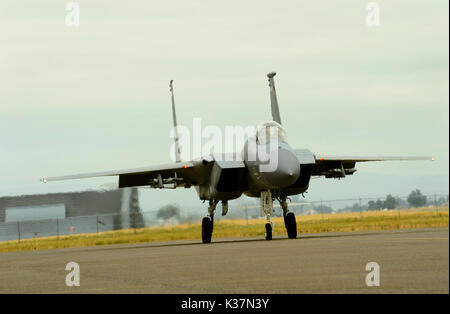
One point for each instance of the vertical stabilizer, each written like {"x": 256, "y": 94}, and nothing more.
{"x": 273, "y": 98}
{"x": 174, "y": 115}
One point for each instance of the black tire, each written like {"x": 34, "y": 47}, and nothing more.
{"x": 206, "y": 230}
{"x": 291, "y": 225}
{"x": 268, "y": 231}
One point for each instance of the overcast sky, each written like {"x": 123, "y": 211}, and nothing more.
{"x": 95, "y": 97}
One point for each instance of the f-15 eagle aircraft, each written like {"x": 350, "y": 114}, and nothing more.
{"x": 217, "y": 180}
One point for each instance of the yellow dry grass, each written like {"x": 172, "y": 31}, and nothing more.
{"x": 343, "y": 222}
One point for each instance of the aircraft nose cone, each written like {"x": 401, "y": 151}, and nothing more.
{"x": 287, "y": 169}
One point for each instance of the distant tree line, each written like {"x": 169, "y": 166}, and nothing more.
{"x": 168, "y": 211}
{"x": 415, "y": 199}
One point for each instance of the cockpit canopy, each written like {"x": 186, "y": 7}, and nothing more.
{"x": 268, "y": 131}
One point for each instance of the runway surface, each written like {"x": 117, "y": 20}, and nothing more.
{"x": 411, "y": 261}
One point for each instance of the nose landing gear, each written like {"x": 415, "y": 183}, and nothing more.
{"x": 267, "y": 211}
{"x": 268, "y": 231}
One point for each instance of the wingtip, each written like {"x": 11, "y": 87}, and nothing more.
{"x": 43, "y": 180}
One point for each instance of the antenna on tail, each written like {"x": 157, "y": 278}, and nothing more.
{"x": 273, "y": 98}
{"x": 174, "y": 115}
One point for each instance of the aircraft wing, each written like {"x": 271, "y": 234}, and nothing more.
{"x": 181, "y": 174}
{"x": 331, "y": 166}
{"x": 326, "y": 158}
{"x": 340, "y": 166}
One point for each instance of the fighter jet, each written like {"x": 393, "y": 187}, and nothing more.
{"x": 218, "y": 180}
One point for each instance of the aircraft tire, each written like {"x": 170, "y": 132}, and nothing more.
{"x": 291, "y": 225}
{"x": 206, "y": 230}
{"x": 268, "y": 231}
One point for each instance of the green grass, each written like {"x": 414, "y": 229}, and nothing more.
{"x": 345, "y": 222}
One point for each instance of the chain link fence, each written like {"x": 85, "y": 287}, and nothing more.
{"x": 320, "y": 209}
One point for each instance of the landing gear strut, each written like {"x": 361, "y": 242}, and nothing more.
{"x": 289, "y": 219}
{"x": 208, "y": 222}
{"x": 267, "y": 210}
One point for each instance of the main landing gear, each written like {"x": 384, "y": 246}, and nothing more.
{"x": 289, "y": 219}
{"x": 208, "y": 222}
{"x": 266, "y": 210}
{"x": 207, "y": 229}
